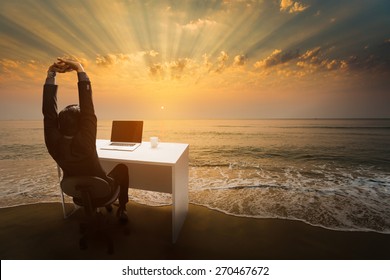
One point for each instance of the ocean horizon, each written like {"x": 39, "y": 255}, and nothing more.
{"x": 333, "y": 173}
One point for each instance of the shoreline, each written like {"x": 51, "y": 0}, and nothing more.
{"x": 228, "y": 214}
{"x": 38, "y": 231}
{"x": 290, "y": 219}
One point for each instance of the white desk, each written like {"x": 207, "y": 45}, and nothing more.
{"x": 162, "y": 169}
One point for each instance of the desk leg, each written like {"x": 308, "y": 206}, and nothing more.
{"x": 179, "y": 194}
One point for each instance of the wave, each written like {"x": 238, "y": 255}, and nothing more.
{"x": 250, "y": 187}
{"x": 335, "y": 127}
{"x": 336, "y": 199}
{"x": 23, "y": 151}
{"x": 386, "y": 231}
{"x": 334, "y": 177}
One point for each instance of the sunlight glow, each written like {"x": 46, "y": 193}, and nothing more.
{"x": 275, "y": 59}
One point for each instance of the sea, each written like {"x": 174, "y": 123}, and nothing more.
{"x": 331, "y": 173}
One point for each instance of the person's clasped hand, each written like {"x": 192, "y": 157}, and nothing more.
{"x": 65, "y": 65}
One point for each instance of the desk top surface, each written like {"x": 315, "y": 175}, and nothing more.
{"x": 165, "y": 153}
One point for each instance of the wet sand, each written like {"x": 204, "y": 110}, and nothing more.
{"x": 39, "y": 231}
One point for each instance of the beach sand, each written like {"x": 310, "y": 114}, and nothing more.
{"x": 39, "y": 231}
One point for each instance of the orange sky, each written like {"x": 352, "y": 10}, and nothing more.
{"x": 200, "y": 59}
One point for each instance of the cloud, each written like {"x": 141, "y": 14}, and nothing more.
{"x": 291, "y": 6}
{"x": 177, "y": 68}
{"x": 239, "y": 60}
{"x": 222, "y": 58}
{"x": 376, "y": 61}
{"x": 312, "y": 55}
{"x": 17, "y": 70}
{"x": 6, "y": 65}
{"x": 198, "y": 24}
{"x": 371, "y": 63}
{"x": 314, "y": 59}
{"x": 206, "y": 61}
{"x": 120, "y": 58}
{"x": 294, "y": 63}
{"x": 106, "y": 60}
{"x": 277, "y": 57}
{"x": 174, "y": 69}
{"x": 152, "y": 53}
{"x": 156, "y": 71}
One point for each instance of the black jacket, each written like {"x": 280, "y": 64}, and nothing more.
{"x": 76, "y": 156}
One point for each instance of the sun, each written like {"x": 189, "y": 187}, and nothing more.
{"x": 162, "y": 107}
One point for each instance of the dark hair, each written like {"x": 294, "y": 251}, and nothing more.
{"x": 68, "y": 120}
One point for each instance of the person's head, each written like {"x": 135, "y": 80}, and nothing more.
{"x": 68, "y": 120}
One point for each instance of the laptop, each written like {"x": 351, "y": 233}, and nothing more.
{"x": 125, "y": 136}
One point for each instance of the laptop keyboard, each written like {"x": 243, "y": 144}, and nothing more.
{"x": 122, "y": 144}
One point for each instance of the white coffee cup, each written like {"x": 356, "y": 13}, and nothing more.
{"x": 154, "y": 142}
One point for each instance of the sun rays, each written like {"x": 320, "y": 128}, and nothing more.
{"x": 197, "y": 51}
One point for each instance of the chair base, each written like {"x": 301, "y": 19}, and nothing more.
{"x": 91, "y": 193}
{"x": 97, "y": 226}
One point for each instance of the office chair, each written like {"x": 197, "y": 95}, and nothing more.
{"x": 91, "y": 193}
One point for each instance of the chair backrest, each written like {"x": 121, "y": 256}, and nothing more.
{"x": 98, "y": 189}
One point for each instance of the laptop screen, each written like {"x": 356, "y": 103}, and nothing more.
{"x": 127, "y": 131}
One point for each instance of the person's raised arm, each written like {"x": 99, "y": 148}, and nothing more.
{"x": 88, "y": 121}
{"x": 49, "y": 108}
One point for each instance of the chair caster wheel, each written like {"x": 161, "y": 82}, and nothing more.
{"x": 83, "y": 244}
{"x": 110, "y": 248}
{"x": 83, "y": 228}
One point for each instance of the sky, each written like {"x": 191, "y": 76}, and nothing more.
{"x": 192, "y": 59}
